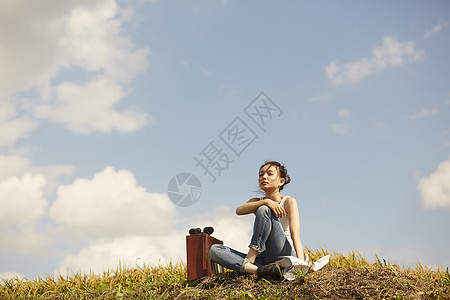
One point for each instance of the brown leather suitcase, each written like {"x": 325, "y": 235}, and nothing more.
{"x": 198, "y": 263}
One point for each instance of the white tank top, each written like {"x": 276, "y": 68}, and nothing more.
{"x": 285, "y": 223}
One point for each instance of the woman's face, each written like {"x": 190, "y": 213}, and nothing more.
{"x": 269, "y": 178}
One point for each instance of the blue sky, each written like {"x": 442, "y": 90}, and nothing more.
{"x": 103, "y": 103}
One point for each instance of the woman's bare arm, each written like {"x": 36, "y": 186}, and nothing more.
{"x": 250, "y": 206}
{"x": 294, "y": 225}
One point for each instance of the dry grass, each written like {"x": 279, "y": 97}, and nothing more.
{"x": 348, "y": 276}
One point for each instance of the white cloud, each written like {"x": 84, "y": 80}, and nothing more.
{"x": 83, "y": 36}
{"x": 344, "y": 114}
{"x": 391, "y": 53}
{"x": 157, "y": 249}
{"x": 206, "y": 72}
{"x": 53, "y": 175}
{"x": 184, "y": 63}
{"x": 228, "y": 90}
{"x": 37, "y": 55}
{"x": 13, "y": 126}
{"x": 95, "y": 42}
{"x": 426, "y": 112}
{"x": 21, "y": 199}
{"x": 12, "y": 165}
{"x": 112, "y": 205}
{"x": 435, "y": 189}
{"x": 22, "y": 205}
{"x": 128, "y": 251}
{"x": 91, "y": 107}
{"x": 340, "y": 128}
{"x": 343, "y": 128}
{"x": 23, "y": 188}
{"x": 15, "y": 165}
{"x": 435, "y": 29}
{"x": 55, "y": 35}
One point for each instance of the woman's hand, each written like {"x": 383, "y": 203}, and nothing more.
{"x": 252, "y": 205}
{"x": 275, "y": 207}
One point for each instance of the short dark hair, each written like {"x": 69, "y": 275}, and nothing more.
{"x": 282, "y": 171}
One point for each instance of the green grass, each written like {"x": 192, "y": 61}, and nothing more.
{"x": 348, "y": 276}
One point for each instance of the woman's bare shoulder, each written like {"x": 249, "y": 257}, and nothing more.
{"x": 254, "y": 199}
{"x": 290, "y": 200}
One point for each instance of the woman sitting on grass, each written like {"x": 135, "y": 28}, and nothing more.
{"x": 276, "y": 230}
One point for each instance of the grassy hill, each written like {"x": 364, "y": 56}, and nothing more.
{"x": 348, "y": 276}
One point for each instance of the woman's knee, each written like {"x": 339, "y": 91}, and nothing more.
{"x": 215, "y": 250}
{"x": 263, "y": 210}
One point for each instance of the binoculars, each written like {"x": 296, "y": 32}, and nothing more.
{"x": 208, "y": 230}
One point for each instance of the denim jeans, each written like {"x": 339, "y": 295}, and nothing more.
{"x": 268, "y": 239}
